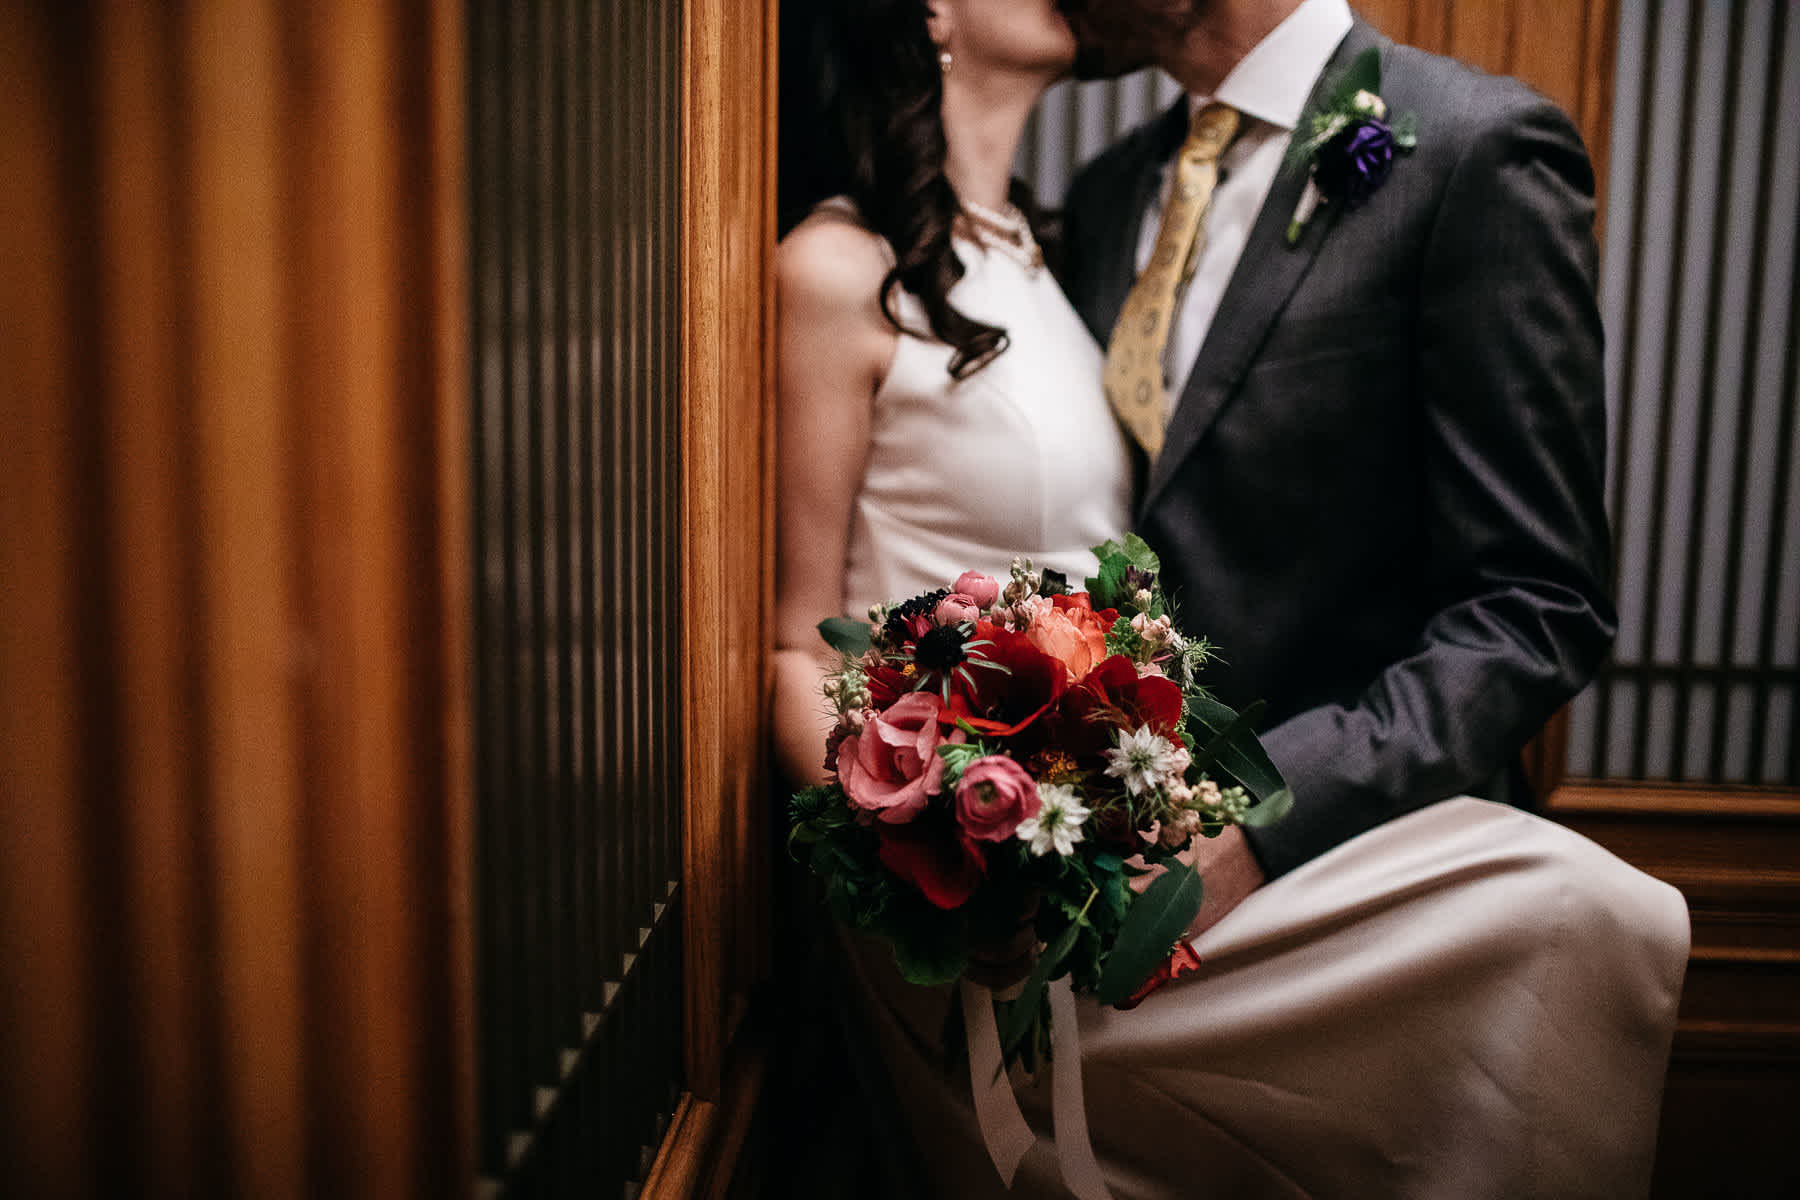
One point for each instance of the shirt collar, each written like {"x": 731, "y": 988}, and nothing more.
{"x": 1272, "y": 82}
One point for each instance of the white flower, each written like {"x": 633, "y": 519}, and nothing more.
{"x": 1146, "y": 760}
{"x": 1369, "y": 104}
{"x": 1058, "y": 822}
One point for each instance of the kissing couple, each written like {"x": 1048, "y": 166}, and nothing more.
{"x": 1324, "y": 334}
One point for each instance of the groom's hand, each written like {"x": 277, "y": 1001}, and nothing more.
{"x": 1228, "y": 869}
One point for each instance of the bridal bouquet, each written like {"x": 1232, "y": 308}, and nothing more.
{"x": 1014, "y": 750}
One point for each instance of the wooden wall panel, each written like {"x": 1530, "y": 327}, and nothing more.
{"x": 234, "y": 803}
{"x": 728, "y": 235}
{"x": 48, "y": 1086}
{"x": 728, "y": 245}
{"x": 1564, "y": 48}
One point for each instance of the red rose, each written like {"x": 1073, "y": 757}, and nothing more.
{"x": 993, "y": 796}
{"x": 946, "y": 868}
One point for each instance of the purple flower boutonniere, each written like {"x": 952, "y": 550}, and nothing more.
{"x": 1348, "y": 148}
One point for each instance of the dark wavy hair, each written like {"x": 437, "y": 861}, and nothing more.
{"x": 862, "y": 90}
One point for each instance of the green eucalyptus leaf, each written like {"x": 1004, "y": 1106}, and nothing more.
{"x": 1270, "y": 809}
{"x": 1025, "y": 1009}
{"x": 1234, "y": 747}
{"x": 927, "y": 953}
{"x": 845, "y": 634}
{"x": 1156, "y": 919}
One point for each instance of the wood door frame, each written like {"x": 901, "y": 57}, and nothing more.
{"x": 728, "y": 236}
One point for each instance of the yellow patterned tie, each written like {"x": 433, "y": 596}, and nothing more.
{"x": 1134, "y": 356}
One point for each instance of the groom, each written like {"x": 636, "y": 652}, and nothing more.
{"x": 1372, "y": 436}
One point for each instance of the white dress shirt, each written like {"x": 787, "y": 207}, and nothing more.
{"x": 1269, "y": 87}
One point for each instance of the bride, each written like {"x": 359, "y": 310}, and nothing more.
{"x": 1414, "y": 1013}
{"x": 940, "y": 410}
{"x": 940, "y": 402}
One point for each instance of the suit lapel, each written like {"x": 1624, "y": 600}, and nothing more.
{"x": 1266, "y": 276}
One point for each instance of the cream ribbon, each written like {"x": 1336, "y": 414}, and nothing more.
{"x": 1003, "y": 1126}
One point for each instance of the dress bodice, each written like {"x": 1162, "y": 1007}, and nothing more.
{"x": 1023, "y": 457}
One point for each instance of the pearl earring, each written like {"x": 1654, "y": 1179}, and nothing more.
{"x": 944, "y": 61}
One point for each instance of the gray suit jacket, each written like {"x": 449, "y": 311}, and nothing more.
{"x": 1381, "y": 491}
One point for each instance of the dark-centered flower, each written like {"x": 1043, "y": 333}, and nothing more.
{"x": 1355, "y": 162}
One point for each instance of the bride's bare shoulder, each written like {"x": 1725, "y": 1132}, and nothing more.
{"x": 831, "y": 259}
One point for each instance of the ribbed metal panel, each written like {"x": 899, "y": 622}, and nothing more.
{"x": 574, "y": 113}
{"x": 1075, "y": 121}
{"x": 1700, "y": 308}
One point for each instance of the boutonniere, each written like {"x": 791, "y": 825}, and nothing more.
{"x": 1348, "y": 147}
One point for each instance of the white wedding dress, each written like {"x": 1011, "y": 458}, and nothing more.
{"x": 1467, "y": 1002}
{"x": 1024, "y": 457}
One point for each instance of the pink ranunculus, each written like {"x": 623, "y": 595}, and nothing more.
{"x": 993, "y": 796}
{"x": 956, "y": 608}
{"x": 979, "y": 588}
{"x": 891, "y": 767}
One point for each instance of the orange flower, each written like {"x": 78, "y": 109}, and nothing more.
{"x": 1070, "y": 631}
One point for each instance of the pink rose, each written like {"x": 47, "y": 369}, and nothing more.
{"x": 890, "y": 767}
{"x": 994, "y": 795}
{"x": 956, "y": 608}
{"x": 979, "y": 588}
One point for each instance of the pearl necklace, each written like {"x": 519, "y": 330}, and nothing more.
{"x": 1007, "y": 232}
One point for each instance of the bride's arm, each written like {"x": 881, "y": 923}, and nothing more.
{"x": 833, "y": 349}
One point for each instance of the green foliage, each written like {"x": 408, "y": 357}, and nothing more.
{"x": 1107, "y": 589}
{"x": 1032, "y": 998}
{"x": 1123, "y": 639}
{"x": 1269, "y": 809}
{"x": 1234, "y": 747}
{"x": 1158, "y": 917}
{"x": 957, "y": 756}
{"x": 1362, "y": 75}
{"x": 846, "y": 635}
{"x": 928, "y": 944}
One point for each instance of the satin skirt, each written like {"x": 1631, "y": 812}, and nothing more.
{"x": 1467, "y": 1002}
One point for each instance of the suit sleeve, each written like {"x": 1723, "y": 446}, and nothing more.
{"x": 1511, "y": 387}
